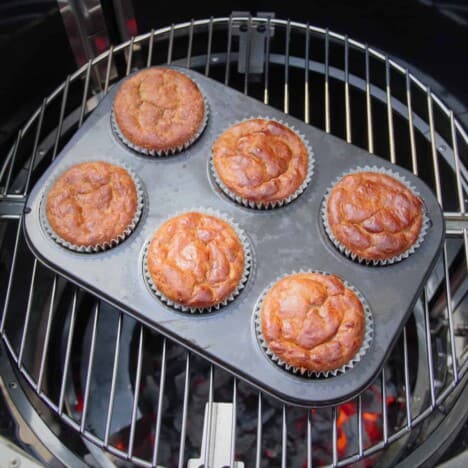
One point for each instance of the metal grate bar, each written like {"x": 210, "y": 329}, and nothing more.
{"x": 130, "y": 56}
{"x": 189, "y": 46}
{"x": 430, "y": 364}
{"x": 232, "y": 455}
{"x": 85, "y": 93}
{"x": 11, "y": 163}
{"x": 108, "y": 69}
{"x": 309, "y": 438}
{"x": 115, "y": 368}
{"x": 258, "y": 454}
{"x": 359, "y": 421}
{"x": 35, "y": 146}
{"x": 45, "y": 345}
{"x": 389, "y": 112}
{"x": 208, "y": 51}
{"x": 171, "y": 45}
{"x": 162, "y": 381}
{"x": 450, "y": 315}
{"x": 28, "y": 314}
{"x": 414, "y": 160}
{"x": 228, "y": 53}
{"x": 327, "y": 88}
{"x": 435, "y": 160}
{"x": 89, "y": 371}
{"x": 384, "y": 408}
{"x": 370, "y": 134}
{"x": 207, "y": 436}
{"x": 409, "y": 421}
{"x": 461, "y": 201}
{"x": 284, "y": 439}
{"x": 347, "y": 98}
{"x": 286, "y": 69}
{"x": 183, "y": 429}
{"x": 62, "y": 115}
{"x": 334, "y": 437}
{"x": 266, "y": 96}
{"x": 131, "y": 440}
{"x": 66, "y": 364}
{"x": 247, "y": 63}
{"x": 10, "y": 276}
{"x": 150, "y": 49}
{"x": 306, "y": 77}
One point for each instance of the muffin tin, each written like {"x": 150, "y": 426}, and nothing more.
{"x": 282, "y": 240}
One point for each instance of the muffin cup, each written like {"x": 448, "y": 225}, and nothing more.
{"x": 98, "y": 247}
{"x": 242, "y": 282}
{"x": 168, "y": 151}
{"x": 275, "y": 204}
{"x": 353, "y": 256}
{"x": 366, "y": 342}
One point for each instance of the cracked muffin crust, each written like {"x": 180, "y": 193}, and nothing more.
{"x": 261, "y": 161}
{"x": 196, "y": 260}
{"x": 312, "y": 321}
{"x": 159, "y": 109}
{"x": 92, "y": 203}
{"x": 374, "y": 215}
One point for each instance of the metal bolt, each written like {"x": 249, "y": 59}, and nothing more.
{"x": 442, "y": 148}
{"x": 12, "y": 384}
{"x": 261, "y": 28}
{"x": 42, "y": 152}
{"x": 14, "y": 463}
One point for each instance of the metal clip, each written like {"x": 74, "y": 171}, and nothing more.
{"x": 218, "y": 438}
{"x": 252, "y": 41}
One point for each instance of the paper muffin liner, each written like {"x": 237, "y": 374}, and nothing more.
{"x": 242, "y": 282}
{"x": 97, "y": 247}
{"x": 353, "y": 256}
{"x": 274, "y": 204}
{"x": 366, "y": 342}
{"x": 168, "y": 151}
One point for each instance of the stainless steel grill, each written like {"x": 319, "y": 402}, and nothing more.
{"x": 330, "y": 81}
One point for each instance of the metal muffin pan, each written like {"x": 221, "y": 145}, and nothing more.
{"x": 282, "y": 240}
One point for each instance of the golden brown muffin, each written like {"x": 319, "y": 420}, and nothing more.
{"x": 196, "y": 260}
{"x": 92, "y": 203}
{"x": 159, "y": 109}
{"x": 374, "y": 215}
{"x": 312, "y": 321}
{"x": 261, "y": 161}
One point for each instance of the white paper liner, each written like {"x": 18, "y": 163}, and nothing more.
{"x": 353, "y": 256}
{"x": 97, "y": 247}
{"x": 169, "y": 151}
{"x": 367, "y": 339}
{"x": 274, "y": 204}
{"x": 242, "y": 282}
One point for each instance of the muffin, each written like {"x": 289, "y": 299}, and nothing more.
{"x": 159, "y": 111}
{"x": 374, "y": 217}
{"x": 196, "y": 261}
{"x": 93, "y": 205}
{"x": 261, "y": 163}
{"x": 312, "y": 322}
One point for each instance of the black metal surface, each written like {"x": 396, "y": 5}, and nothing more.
{"x": 283, "y": 240}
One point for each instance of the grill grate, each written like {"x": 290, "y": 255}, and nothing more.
{"x": 328, "y": 80}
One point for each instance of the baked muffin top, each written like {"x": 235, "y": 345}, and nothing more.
{"x": 92, "y": 203}
{"x": 196, "y": 260}
{"x": 159, "y": 109}
{"x": 374, "y": 215}
{"x": 261, "y": 160}
{"x": 312, "y": 321}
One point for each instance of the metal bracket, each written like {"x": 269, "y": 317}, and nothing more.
{"x": 218, "y": 438}
{"x": 252, "y": 41}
